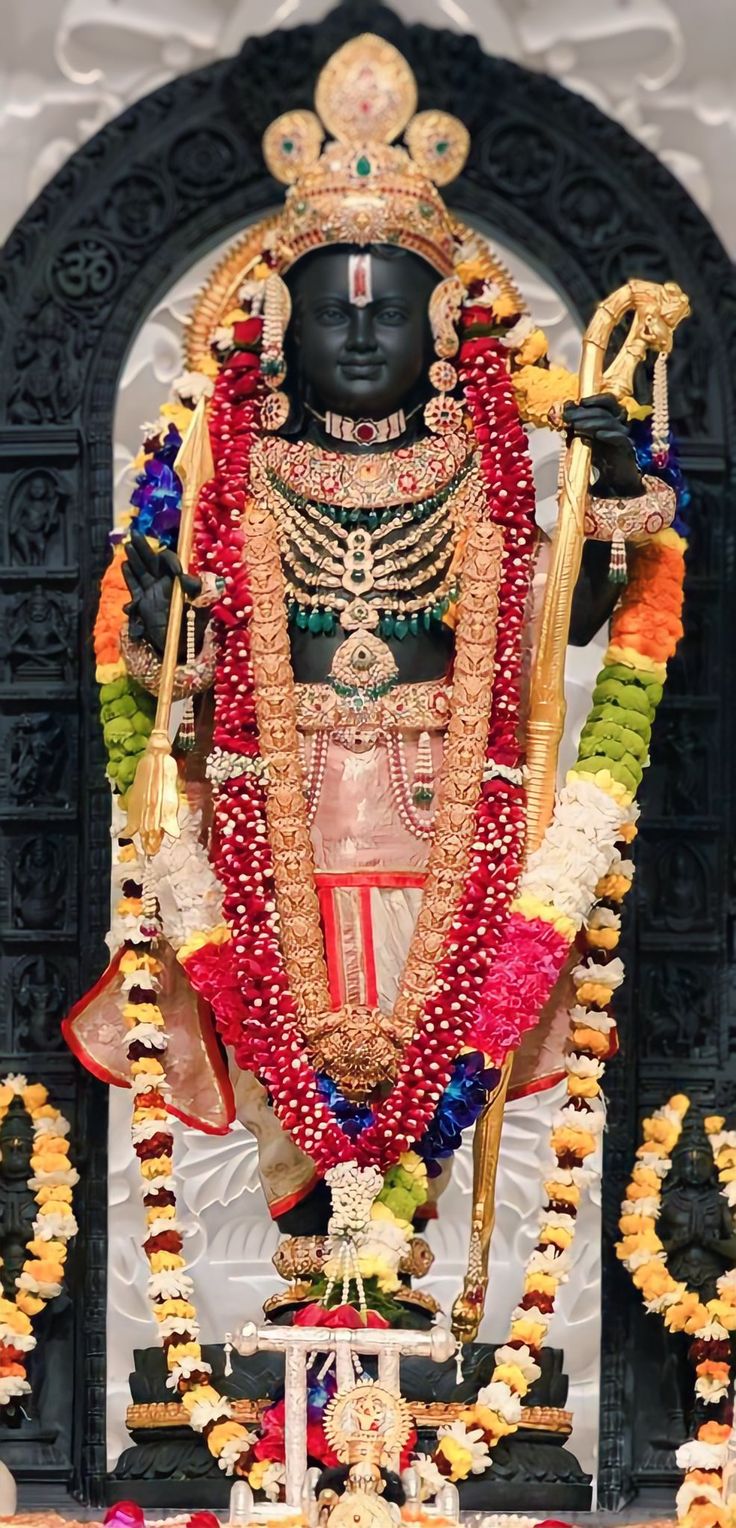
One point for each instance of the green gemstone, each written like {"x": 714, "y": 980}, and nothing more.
{"x": 328, "y": 623}
{"x": 401, "y": 627}
{"x": 358, "y": 556}
{"x": 287, "y": 145}
{"x": 302, "y": 619}
{"x": 387, "y": 625}
{"x": 363, "y": 165}
{"x": 442, "y": 147}
{"x": 315, "y": 622}
{"x": 414, "y": 625}
{"x": 372, "y": 521}
{"x": 426, "y": 619}
{"x": 358, "y": 576}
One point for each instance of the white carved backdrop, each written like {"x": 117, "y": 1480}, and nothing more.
{"x": 231, "y": 1240}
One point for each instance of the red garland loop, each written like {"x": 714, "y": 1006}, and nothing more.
{"x": 245, "y": 980}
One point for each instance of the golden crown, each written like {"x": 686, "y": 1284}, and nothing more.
{"x": 360, "y": 187}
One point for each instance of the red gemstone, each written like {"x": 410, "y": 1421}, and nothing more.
{"x": 365, "y": 432}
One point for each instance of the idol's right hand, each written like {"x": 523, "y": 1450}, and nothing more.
{"x": 150, "y": 578}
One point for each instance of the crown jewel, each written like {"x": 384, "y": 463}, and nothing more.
{"x": 360, "y": 187}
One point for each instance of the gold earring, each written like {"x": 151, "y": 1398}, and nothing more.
{"x": 443, "y": 414}
{"x": 276, "y": 315}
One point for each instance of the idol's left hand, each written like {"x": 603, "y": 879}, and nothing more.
{"x": 601, "y": 422}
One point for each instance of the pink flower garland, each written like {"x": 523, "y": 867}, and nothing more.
{"x": 245, "y": 980}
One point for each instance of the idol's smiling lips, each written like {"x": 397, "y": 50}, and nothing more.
{"x": 362, "y": 368}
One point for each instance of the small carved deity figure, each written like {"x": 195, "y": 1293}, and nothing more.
{"x": 35, "y": 512}
{"x": 38, "y": 637}
{"x": 17, "y": 1205}
{"x": 696, "y": 1229}
{"x": 39, "y": 1001}
{"x": 36, "y": 748}
{"x": 38, "y": 885}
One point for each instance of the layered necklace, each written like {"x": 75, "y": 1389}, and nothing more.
{"x": 360, "y": 562}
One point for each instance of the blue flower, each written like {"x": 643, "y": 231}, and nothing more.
{"x": 157, "y": 495}
{"x": 352, "y": 1117}
{"x": 463, "y": 1100}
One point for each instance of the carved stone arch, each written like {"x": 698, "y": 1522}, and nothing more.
{"x": 129, "y": 212}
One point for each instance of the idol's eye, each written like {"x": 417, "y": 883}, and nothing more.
{"x": 330, "y": 313}
{"x": 392, "y": 313}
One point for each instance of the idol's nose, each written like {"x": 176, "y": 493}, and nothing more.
{"x": 361, "y": 338}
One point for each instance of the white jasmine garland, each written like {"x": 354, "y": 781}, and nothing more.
{"x": 58, "y": 1127}
{"x": 12, "y": 1387}
{"x": 55, "y": 1227}
{"x": 523, "y": 1360}
{"x": 649, "y": 1207}
{"x": 233, "y": 1450}
{"x": 184, "y": 1368}
{"x": 272, "y": 1480}
{"x": 498, "y": 1396}
{"x": 472, "y": 1439}
{"x": 170, "y": 1285}
{"x": 695, "y": 1455}
{"x": 204, "y": 1412}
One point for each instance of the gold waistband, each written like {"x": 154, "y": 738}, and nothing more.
{"x": 421, "y": 707}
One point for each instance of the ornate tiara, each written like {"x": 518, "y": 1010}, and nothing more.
{"x": 360, "y": 187}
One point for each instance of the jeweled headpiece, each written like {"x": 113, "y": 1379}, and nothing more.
{"x": 360, "y": 187}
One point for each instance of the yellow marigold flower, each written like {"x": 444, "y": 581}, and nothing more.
{"x": 564, "y": 1193}
{"x": 53, "y": 1249}
{"x": 680, "y": 1102}
{"x": 512, "y": 1375}
{"x": 687, "y": 1314}
{"x": 646, "y": 1178}
{"x": 257, "y": 1472}
{"x": 653, "y": 1279}
{"x": 593, "y": 1040}
{"x": 146, "y": 1112}
{"x": 661, "y": 1131}
{"x": 505, "y": 306}
{"x": 192, "y": 1398}
{"x": 613, "y": 886}
{"x": 728, "y": 1175}
{"x": 532, "y": 348}
{"x": 594, "y": 992}
{"x": 458, "y": 1458}
{"x": 35, "y": 1096}
{"x": 637, "y": 1190}
{"x": 55, "y": 1205}
{"x": 183, "y": 1350}
{"x": 14, "y": 1317}
{"x": 631, "y": 1225}
{"x": 723, "y": 1311}
{"x": 165, "y": 1262}
{"x": 714, "y": 1123}
{"x": 539, "y": 1283}
{"x": 583, "y": 1087}
{"x": 59, "y": 1192}
{"x": 602, "y": 938}
{"x": 182, "y": 1309}
{"x": 539, "y": 389}
{"x": 222, "y": 1433}
{"x": 45, "y": 1269}
{"x": 143, "y": 1013}
{"x": 531, "y": 1332}
{"x": 130, "y": 962}
{"x": 50, "y": 1146}
{"x": 578, "y": 1141}
{"x": 727, "y": 1156}
{"x": 161, "y": 1212}
{"x": 555, "y": 1236}
{"x": 6, "y": 1097}
{"x": 156, "y": 1167}
{"x": 29, "y": 1304}
{"x": 196, "y": 941}
{"x": 148, "y": 1066}
{"x": 130, "y": 905}
{"x": 628, "y": 832}
{"x": 491, "y": 1422}
{"x": 238, "y": 315}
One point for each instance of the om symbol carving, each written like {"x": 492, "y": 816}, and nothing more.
{"x": 85, "y": 271}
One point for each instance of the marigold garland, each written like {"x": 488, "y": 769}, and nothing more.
{"x": 700, "y": 1502}
{"x": 42, "y": 1275}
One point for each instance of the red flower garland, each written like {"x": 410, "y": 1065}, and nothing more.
{"x": 246, "y": 981}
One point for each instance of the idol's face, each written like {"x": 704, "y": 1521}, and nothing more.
{"x": 362, "y": 359}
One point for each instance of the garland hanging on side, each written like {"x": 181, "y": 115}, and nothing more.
{"x": 42, "y": 1276}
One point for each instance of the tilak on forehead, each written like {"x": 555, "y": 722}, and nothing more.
{"x": 360, "y": 279}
